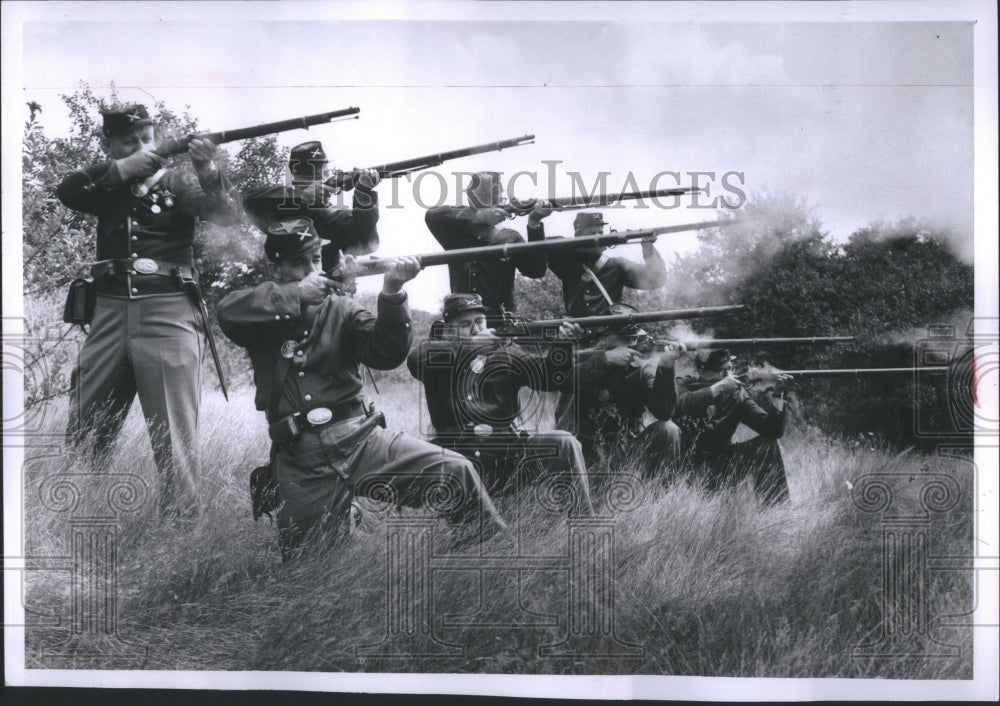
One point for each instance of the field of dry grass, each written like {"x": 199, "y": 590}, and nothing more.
{"x": 701, "y": 584}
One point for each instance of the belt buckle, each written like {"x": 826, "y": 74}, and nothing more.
{"x": 145, "y": 266}
{"x": 319, "y": 415}
{"x": 483, "y": 430}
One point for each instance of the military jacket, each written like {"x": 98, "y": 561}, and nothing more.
{"x": 492, "y": 280}
{"x": 710, "y": 422}
{"x": 160, "y": 225}
{"x": 583, "y": 297}
{"x": 352, "y": 232}
{"x": 612, "y": 399}
{"x": 327, "y": 343}
{"x": 470, "y": 383}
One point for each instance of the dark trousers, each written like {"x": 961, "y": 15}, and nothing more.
{"x": 153, "y": 348}
{"x": 509, "y": 462}
{"x": 758, "y": 458}
{"x": 321, "y": 472}
{"x": 657, "y": 448}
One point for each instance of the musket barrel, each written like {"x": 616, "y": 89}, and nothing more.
{"x": 403, "y": 167}
{"x": 758, "y": 342}
{"x": 929, "y": 370}
{"x": 638, "y": 317}
{"x": 304, "y": 122}
{"x": 374, "y": 266}
{"x": 569, "y": 203}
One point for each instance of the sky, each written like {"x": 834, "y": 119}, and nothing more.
{"x": 864, "y": 121}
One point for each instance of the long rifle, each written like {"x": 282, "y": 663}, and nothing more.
{"x": 572, "y": 203}
{"x": 181, "y": 144}
{"x": 742, "y": 343}
{"x": 522, "y": 328}
{"x": 847, "y": 372}
{"x": 345, "y": 179}
{"x": 364, "y": 267}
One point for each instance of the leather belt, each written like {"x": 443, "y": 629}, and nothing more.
{"x": 321, "y": 417}
{"x": 142, "y": 266}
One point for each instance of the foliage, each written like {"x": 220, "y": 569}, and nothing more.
{"x": 884, "y": 286}
{"x": 59, "y": 243}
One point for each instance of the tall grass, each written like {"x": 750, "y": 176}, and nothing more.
{"x": 705, "y": 584}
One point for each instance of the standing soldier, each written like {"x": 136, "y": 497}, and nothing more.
{"x": 593, "y": 282}
{"x": 352, "y": 232}
{"x": 472, "y": 382}
{"x": 475, "y": 226}
{"x": 307, "y": 348}
{"x": 709, "y": 410}
{"x": 147, "y": 335}
{"x": 617, "y": 384}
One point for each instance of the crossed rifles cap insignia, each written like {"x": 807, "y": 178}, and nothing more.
{"x": 316, "y": 154}
{"x": 133, "y": 116}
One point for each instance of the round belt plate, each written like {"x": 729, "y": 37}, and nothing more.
{"x": 288, "y": 349}
{"x": 478, "y": 364}
{"x": 319, "y": 415}
{"x": 483, "y": 430}
{"x": 145, "y": 266}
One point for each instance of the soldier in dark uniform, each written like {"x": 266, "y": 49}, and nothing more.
{"x": 593, "y": 281}
{"x": 476, "y": 226}
{"x": 616, "y": 386}
{"x": 711, "y": 407}
{"x": 307, "y": 347}
{"x": 148, "y": 331}
{"x": 472, "y": 381}
{"x": 352, "y": 232}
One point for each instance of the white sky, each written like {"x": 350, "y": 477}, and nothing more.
{"x": 863, "y": 121}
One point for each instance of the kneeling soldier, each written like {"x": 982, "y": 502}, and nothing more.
{"x": 472, "y": 381}
{"x": 617, "y": 384}
{"x": 306, "y": 347}
{"x": 709, "y": 410}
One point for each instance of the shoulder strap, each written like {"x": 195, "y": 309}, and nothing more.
{"x": 598, "y": 283}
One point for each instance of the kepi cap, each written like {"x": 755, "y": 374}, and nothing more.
{"x": 584, "y": 221}
{"x": 307, "y": 160}
{"x": 123, "y": 119}
{"x": 455, "y": 304}
{"x": 291, "y": 237}
{"x": 713, "y": 360}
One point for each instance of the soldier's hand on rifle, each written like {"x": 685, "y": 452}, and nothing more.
{"x": 671, "y": 352}
{"x": 768, "y": 375}
{"x": 315, "y": 287}
{"x": 568, "y": 330}
{"x": 138, "y": 165}
{"x": 402, "y": 270}
{"x": 622, "y": 357}
{"x": 778, "y": 401}
{"x": 366, "y": 178}
{"x": 202, "y": 151}
{"x": 490, "y": 215}
{"x": 541, "y": 210}
{"x": 647, "y": 245}
{"x": 726, "y": 386}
